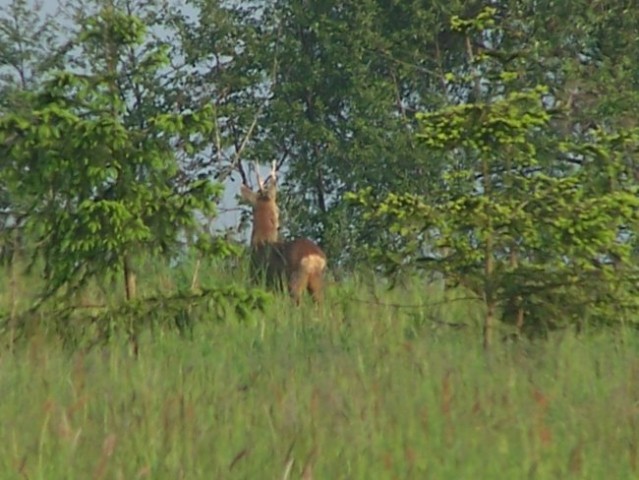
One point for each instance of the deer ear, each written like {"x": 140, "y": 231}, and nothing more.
{"x": 248, "y": 195}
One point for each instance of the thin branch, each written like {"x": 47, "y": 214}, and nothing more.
{"x": 236, "y": 163}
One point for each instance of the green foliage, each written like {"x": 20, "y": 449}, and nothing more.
{"x": 485, "y": 20}
{"x": 507, "y": 128}
{"x": 348, "y": 80}
{"x": 99, "y": 186}
{"x": 509, "y": 221}
{"x": 30, "y": 45}
{"x": 348, "y": 397}
{"x": 352, "y": 79}
{"x": 180, "y": 311}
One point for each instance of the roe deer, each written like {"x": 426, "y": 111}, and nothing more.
{"x": 300, "y": 262}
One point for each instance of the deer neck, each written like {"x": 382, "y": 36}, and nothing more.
{"x": 265, "y": 224}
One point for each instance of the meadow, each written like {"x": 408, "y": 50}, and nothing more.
{"x": 378, "y": 385}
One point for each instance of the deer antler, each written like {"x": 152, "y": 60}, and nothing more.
{"x": 271, "y": 177}
{"x": 273, "y": 174}
{"x": 260, "y": 184}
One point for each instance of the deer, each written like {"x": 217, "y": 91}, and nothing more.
{"x": 299, "y": 263}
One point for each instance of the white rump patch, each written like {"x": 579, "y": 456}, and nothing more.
{"x": 313, "y": 263}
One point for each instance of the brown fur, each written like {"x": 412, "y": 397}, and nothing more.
{"x": 300, "y": 262}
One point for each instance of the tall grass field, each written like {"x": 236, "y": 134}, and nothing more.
{"x": 378, "y": 384}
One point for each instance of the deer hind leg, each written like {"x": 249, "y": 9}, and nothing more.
{"x": 315, "y": 286}
{"x": 297, "y": 283}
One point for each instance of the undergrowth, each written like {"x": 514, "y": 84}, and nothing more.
{"x": 377, "y": 384}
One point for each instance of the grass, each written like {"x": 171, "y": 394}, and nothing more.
{"x": 362, "y": 390}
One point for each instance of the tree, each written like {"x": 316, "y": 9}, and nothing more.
{"x": 341, "y": 111}
{"x": 510, "y": 221}
{"x": 30, "y": 45}
{"x": 97, "y": 163}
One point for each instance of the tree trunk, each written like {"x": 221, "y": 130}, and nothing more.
{"x": 130, "y": 280}
{"x": 14, "y": 294}
{"x": 489, "y": 323}
{"x": 489, "y": 267}
{"x": 130, "y": 288}
{"x": 489, "y": 293}
{"x": 518, "y": 301}
{"x": 321, "y": 197}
